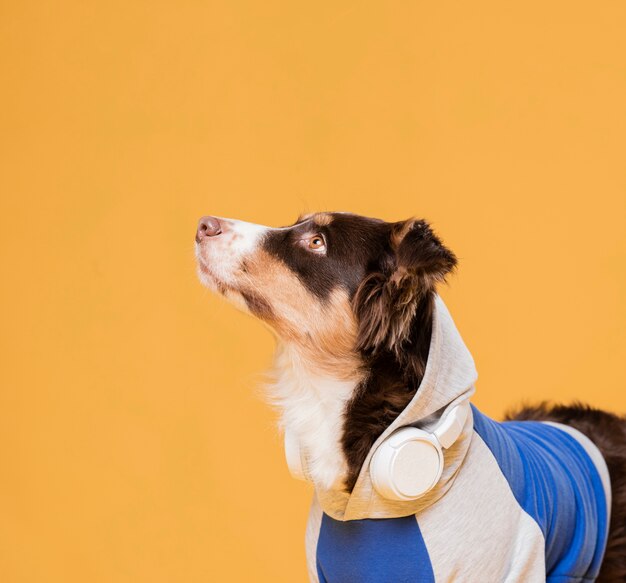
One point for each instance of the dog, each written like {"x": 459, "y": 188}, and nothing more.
{"x": 373, "y": 382}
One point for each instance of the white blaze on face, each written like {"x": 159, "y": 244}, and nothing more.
{"x": 220, "y": 257}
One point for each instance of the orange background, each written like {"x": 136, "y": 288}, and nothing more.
{"x": 133, "y": 444}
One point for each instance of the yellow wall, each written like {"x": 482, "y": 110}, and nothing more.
{"x": 122, "y": 122}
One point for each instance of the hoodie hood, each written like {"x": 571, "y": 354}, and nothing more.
{"x": 448, "y": 380}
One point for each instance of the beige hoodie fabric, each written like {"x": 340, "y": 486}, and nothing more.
{"x": 470, "y": 526}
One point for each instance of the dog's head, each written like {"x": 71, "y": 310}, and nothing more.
{"x": 336, "y": 284}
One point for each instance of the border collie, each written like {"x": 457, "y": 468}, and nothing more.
{"x": 373, "y": 382}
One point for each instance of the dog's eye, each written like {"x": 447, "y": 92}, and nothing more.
{"x": 316, "y": 243}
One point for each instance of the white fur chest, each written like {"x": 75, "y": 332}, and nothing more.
{"x": 312, "y": 409}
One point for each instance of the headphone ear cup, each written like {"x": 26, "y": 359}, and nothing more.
{"x": 407, "y": 464}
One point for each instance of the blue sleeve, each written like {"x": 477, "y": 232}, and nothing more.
{"x": 388, "y": 550}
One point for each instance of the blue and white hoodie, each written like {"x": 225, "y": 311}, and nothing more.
{"x": 518, "y": 502}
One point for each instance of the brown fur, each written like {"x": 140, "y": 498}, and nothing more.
{"x": 322, "y": 219}
{"x": 394, "y": 313}
{"x": 608, "y": 432}
{"x": 325, "y": 333}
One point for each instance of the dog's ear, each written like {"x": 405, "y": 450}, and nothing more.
{"x": 420, "y": 252}
{"x": 386, "y": 302}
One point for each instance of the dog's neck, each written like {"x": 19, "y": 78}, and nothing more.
{"x": 312, "y": 406}
{"x": 337, "y": 405}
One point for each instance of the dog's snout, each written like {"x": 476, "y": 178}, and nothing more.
{"x": 208, "y": 227}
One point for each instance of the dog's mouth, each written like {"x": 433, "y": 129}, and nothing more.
{"x": 206, "y": 274}
{"x": 225, "y": 283}
{"x": 222, "y": 246}
{"x": 204, "y": 268}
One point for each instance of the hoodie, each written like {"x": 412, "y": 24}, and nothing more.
{"x": 518, "y": 501}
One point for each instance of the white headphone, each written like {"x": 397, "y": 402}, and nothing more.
{"x": 408, "y": 463}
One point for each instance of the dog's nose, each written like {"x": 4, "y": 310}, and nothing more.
{"x": 208, "y": 227}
